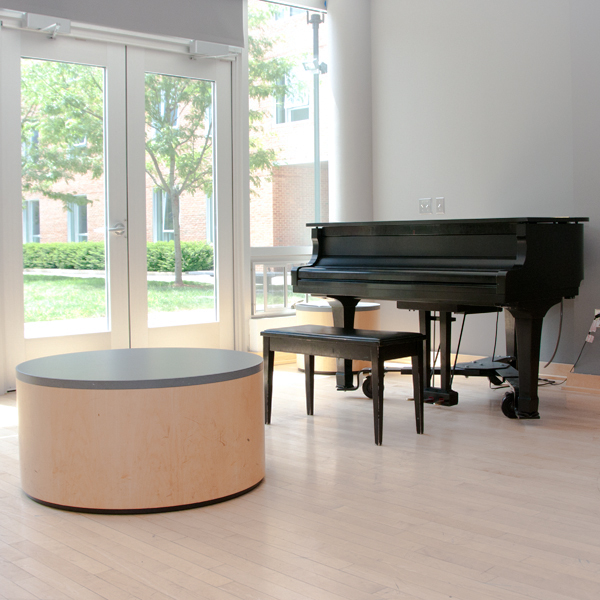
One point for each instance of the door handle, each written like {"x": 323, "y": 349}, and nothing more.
{"x": 118, "y": 229}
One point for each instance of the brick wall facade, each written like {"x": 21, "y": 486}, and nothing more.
{"x": 293, "y": 203}
{"x": 54, "y": 217}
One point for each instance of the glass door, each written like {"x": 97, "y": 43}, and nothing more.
{"x": 123, "y": 206}
{"x": 73, "y": 185}
{"x": 179, "y": 143}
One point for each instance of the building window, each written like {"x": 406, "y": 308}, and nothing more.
{"x": 169, "y": 111}
{"x": 210, "y": 220}
{"x": 293, "y": 107}
{"x": 288, "y": 11}
{"x": 162, "y": 220}
{"x": 77, "y": 228}
{"x": 31, "y": 221}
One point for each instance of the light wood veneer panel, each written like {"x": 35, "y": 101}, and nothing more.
{"x": 141, "y": 449}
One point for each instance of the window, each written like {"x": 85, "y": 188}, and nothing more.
{"x": 288, "y": 167}
{"x": 210, "y": 219}
{"x": 288, "y": 188}
{"x": 162, "y": 221}
{"x": 31, "y": 221}
{"x": 77, "y": 228}
{"x": 293, "y": 107}
{"x": 273, "y": 292}
{"x": 288, "y": 11}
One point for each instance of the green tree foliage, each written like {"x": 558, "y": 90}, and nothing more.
{"x": 179, "y": 142}
{"x": 269, "y": 77}
{"x": 62, "y": 131}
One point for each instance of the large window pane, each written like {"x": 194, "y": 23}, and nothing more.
{"x": 286, "y": 190}
{"x": 180, "y": 200}
{"x": 62, "y": 135}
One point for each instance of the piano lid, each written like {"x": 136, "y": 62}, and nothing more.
{"x": 457, "y": 221}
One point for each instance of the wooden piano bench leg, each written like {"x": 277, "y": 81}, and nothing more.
{"x": 268, "y": 360}
{"x": 309, "y": 383}
{"x": 377, "y": 383}
{"x": 418, "y": 390}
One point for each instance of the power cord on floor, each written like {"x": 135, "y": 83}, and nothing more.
{"x": 588, "y": 339}
{"x": 542, "y": 381}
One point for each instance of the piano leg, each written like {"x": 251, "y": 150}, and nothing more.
{"x": 344, "y": 309}
{"x": 528, "y": 325}
{"x": 377, "y": 371}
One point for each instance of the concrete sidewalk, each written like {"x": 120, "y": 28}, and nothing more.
{"x": 194, "y": 276}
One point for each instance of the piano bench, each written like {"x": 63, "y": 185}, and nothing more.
{"x": 349, "y": 344}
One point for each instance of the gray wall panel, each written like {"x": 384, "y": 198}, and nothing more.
{"x": 208, "y": 20}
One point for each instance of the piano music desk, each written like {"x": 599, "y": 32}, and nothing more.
{"x": 358, "y": 344}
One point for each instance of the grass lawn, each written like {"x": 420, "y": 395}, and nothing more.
{"x": 56, "y": 298}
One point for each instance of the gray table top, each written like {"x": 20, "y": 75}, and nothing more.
{"x": 138, "y": 368}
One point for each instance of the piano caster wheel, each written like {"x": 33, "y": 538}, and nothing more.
{"x": 367, "y": 387}
{"x": 508, "y": 405}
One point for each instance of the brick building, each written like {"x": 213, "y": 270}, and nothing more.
{"x": 46, "y": 220}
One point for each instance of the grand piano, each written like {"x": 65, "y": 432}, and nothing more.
{"x": 521, "y": 265}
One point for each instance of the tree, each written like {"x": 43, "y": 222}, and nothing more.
{"x": 62, "y": 126}
{"x": 269, "y": 77}
{"x": 179, "y": 127}
{"x": 179, "y": 142}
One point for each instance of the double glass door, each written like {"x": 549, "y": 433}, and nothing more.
{"x": 126, "y": 197}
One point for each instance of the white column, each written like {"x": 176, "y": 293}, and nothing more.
{"x": 12, "y": 342}
{"x": 350, "y": 156}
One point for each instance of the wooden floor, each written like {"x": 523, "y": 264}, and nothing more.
{"x": 480, "y": 507}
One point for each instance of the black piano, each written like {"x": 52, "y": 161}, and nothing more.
{"x": 522, "y": 265}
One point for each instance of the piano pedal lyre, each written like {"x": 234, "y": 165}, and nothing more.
{"x": 362, "y": 377}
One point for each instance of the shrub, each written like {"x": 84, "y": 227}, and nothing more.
{"x": 196, "y": 256}
{"x": 86, "y": 255}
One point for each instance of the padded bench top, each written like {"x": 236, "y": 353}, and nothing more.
{"x": 365, "y": 336}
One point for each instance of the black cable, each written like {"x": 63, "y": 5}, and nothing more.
{"x": 432, "y": 330}
{"x": 584, "y": 343}
{"x": 580, "y": 353}
{"x": 543, "y": 381}
{"x": 559, "y": 332}
{"x": 495, "y": 338}
{"x": 433, "y": 366}
{"x": 458, "y": 348}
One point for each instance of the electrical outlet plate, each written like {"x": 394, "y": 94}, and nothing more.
{"x": 425, "y": 206}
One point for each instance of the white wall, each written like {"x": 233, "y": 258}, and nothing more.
{"x": 350, "y": 163}
{"x": 472, "y": 101}
{"x": 479, "y": 101}
{"x": 585, "y": 45}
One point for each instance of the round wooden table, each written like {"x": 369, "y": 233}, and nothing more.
{"x": 140, "y": 430}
